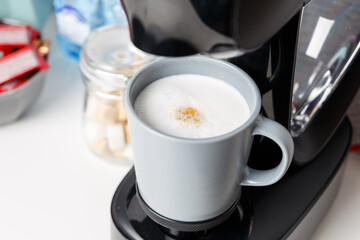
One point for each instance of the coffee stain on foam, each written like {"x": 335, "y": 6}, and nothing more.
{"x": 189, "y": 117}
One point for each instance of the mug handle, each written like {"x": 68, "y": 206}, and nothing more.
{"x": 281, "y": 137}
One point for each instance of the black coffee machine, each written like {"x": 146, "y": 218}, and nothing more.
{"x": 303, "y": 55}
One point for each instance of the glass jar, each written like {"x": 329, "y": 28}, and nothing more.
{"x": 107, "y": 60}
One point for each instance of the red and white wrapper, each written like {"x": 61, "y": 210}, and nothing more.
{"x": 19, "y": 63}
{"x": 15, "y": 36}
{"x": 2, "y": 89}
{"x": 5, "y": 50}
{"x": 13, "y": 84}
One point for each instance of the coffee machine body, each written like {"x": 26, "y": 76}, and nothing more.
{"x": 282, "y": 45}
{"x": 303, "y": 56}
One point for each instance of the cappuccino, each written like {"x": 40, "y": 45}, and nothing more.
{"x": 192, "y": 106}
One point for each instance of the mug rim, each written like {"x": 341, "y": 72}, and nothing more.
{"x": 253, "y": 114}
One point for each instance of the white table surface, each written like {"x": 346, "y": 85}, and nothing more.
{"x": 53, "y": 187}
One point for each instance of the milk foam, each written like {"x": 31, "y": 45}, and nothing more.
{"x": 192, "y": 106}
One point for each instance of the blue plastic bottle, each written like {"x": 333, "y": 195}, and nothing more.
{"x": 113, "y": 12}
{"x": 75, "y": 19}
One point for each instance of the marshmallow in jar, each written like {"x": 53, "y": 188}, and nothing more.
{"x": 107, "y": 60}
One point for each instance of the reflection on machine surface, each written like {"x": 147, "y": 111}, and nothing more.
{"x": 329, "y": 40}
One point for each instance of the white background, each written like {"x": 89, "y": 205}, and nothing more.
{"x": 53, "y": 187}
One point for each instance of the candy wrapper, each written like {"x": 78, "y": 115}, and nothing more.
{"x": 5, "y": 50}
{"x": 22, "y": 54}
{"x": 20, "y": 63}
{"x": 11, "y": 85}
{"x": 17, "y": 36}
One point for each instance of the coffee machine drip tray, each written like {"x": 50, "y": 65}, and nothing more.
{"x": 279, "y": 211}
{"x": 137, "y": 225}
{"x": 170, "y": 225}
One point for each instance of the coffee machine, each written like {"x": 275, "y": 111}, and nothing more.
{"x": 303, "y": 56}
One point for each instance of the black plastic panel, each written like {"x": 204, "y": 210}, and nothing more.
{"x": 184, "y": 27}
{"x": 278, "y": 209}
{"x": 324, "y": 124}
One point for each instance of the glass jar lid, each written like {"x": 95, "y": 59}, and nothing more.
{"x": 108, "y": 58}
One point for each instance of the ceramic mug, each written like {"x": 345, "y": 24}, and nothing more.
{"x": 193, "y": 180}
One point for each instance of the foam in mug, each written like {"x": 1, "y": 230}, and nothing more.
{"x": 192, "y": 106}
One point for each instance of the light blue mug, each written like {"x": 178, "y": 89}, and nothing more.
{"x": 194, "y": 180}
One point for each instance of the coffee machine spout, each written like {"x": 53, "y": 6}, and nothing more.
{"x": 221, "y": 29}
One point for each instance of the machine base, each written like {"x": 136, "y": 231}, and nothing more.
{"x": 188, "y": 226}
{"x": 289, "y": 209}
